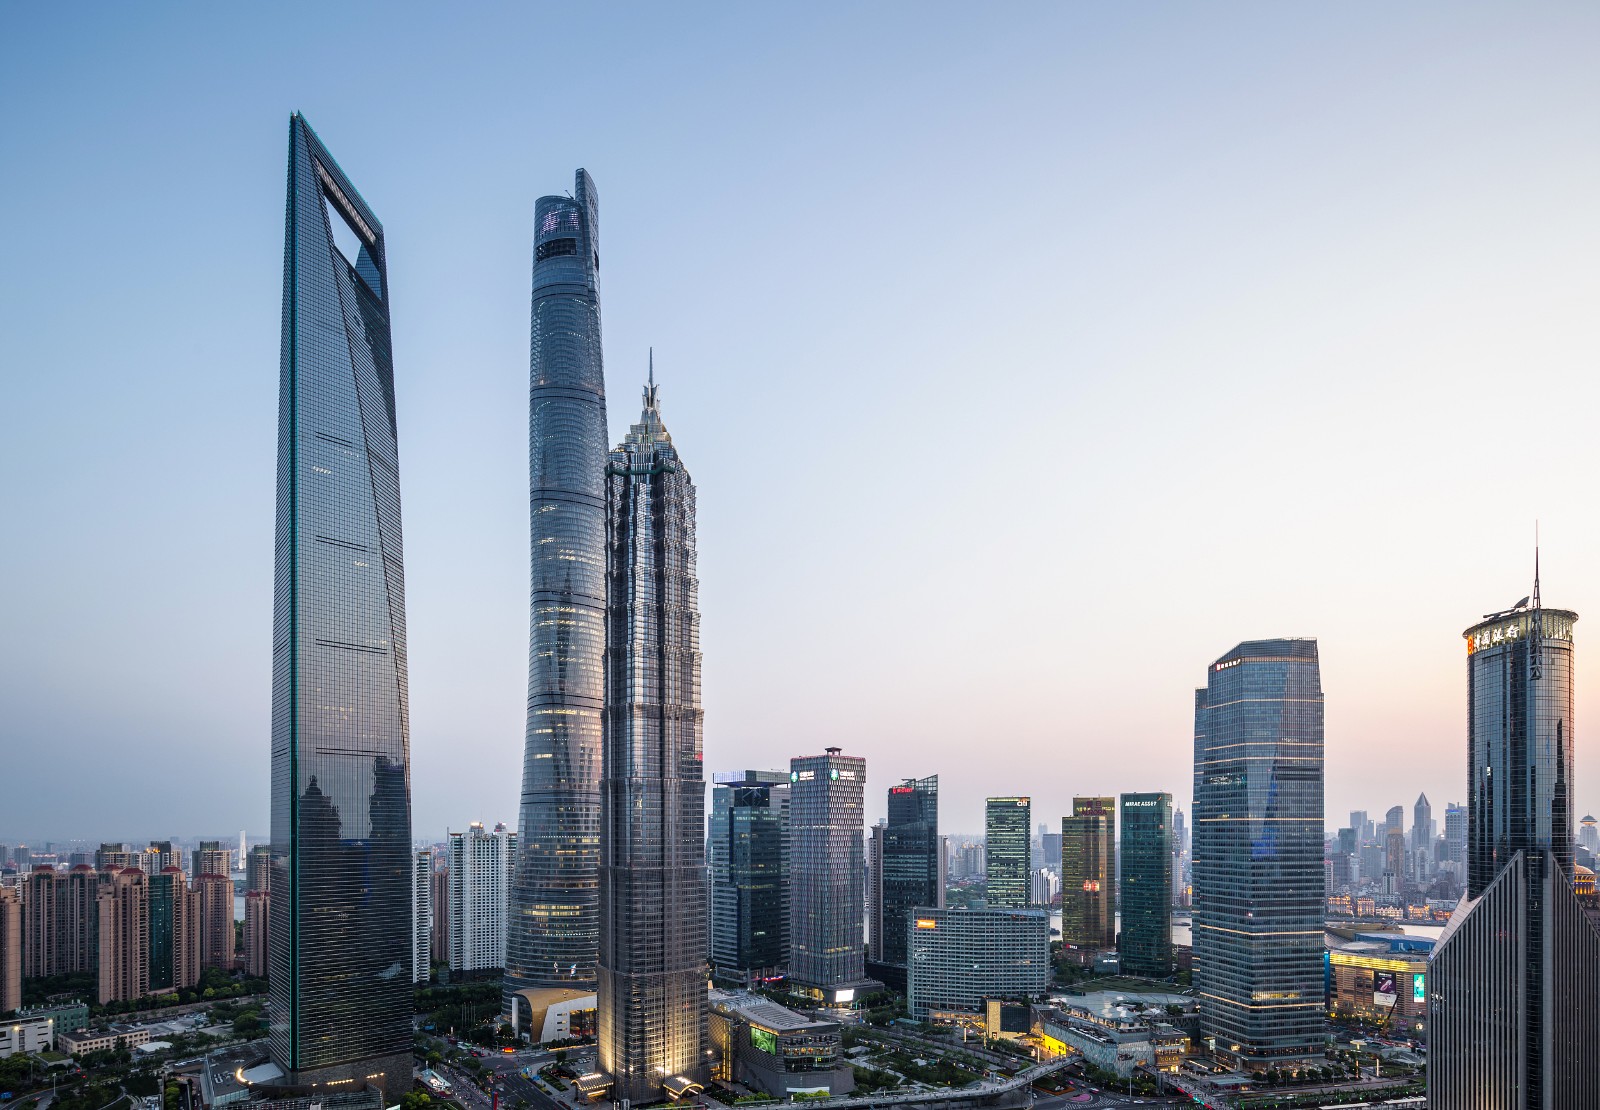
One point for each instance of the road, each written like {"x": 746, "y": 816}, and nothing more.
{"x": 509, "y": 1082}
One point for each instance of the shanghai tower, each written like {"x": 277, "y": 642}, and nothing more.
{"x": 341, "y": 802}
{"x": 553, "y": 929}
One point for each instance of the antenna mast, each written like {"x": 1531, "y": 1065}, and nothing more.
{"x": 1536, "y": 648}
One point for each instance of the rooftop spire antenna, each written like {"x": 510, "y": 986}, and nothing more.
{"x": 1536, "y": 648}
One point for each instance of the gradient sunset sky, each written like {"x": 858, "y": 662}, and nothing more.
{"x": 1026, "y": 358}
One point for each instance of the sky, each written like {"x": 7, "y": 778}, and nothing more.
{"x": 1026, "y": 358}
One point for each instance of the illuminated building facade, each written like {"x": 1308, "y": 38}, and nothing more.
{"x": 1145, "y": 881}
{"x": 957, "y": 959}
{"x": 749, "y": 846}
{"x": 1512, "y": 1020}
{"x": 341, "y": 800}
{"x": 552, "y": 931}
{"x": 1007, "y": 828}
{"x": 1381, "y": 979}
{"x": 1088, "y": 863}
{"x": 827, "y": 877}
{"x": 652, "y": 982}
{"x": 1258, "y": 879}
{"x": 481, "y": 865}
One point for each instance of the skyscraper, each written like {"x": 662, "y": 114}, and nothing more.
{"x": 749, "y": 846}
{"x": 422, "y": 915}
{"x": 1511, "y": 1016}
{"x": 174, "y": 937}
{"x": 124, "y": 933}
{"x": 211, "y": 858}
{"x": 1145, "y": 881}
{"x": 827, "y": 877}
{"x": 553, "y": 927}
{"x": 481, "y": 865}
{"x": 1258, "y": 880}
{"x": 652, "y": 989}
{"x": 257, "y": 930}
{"x": 10, "y": 949}
{"x": 1421, "y": 824}
{"x": 1088, "y": 864}
{"x": 1005, "y": 828}
{"x": 911, "y": 870}
{"x": 341, "y": 797}
{"x": 216, "y": 920}
{"x": 40, "y": 929}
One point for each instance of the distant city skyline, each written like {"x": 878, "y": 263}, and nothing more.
{"x": 1332, "y": 238}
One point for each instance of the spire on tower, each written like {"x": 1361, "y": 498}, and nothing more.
{"x": 652, "y": 403}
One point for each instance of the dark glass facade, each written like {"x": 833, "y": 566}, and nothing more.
{"x": 1088, "y": 870}
{"x": 1512, "y": 981}
{"x": 750, "y": 875}
{"x": 1007, "y": 829}
{"x": 1144, "y": 882}
{"x": 652, "y": 984}
{"x": 165, "y": 893}
{"x": 552, "y": 928}
{"x": 341, "y": 822}
{"x": 912, "y": 862}
{"x": 1258, "y": 881}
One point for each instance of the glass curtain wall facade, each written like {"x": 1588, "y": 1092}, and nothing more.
{"x": 1144, "y": 880}
{"x": 1007, "y": 826}
{"x": 341, "y": 820}
{"x": 553, "y": 925}
{"x": 750, "y": 875}
{"x": 913, "y": 872}
{"x": 1088, "y": 868}
{"x": 1511, "y": 1016}
{"x": 652, "y": 986}
{"x": 1258, "y": 881}
{"x": 827, "y": 875}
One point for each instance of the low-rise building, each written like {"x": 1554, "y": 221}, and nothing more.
{"x": 1119, "y": 1041}
{"x": 69, "y": 1017}
{"x": 961, "y": 958}
{"x": 1380, "y": 978}
{"x": 548, "y": 1014}
{"x": 93, "y": 1040}
{"x": 26, "y": 1035}
{"x": 772, "y": 1049}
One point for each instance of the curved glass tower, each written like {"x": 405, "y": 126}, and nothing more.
{"x": 553, "y": 930}
{"x": 341, "y": 799}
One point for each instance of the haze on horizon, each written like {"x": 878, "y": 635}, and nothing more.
{"x": 1026, "y": 360}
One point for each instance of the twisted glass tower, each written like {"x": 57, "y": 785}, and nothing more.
{"x": 553, "y": 929}
{"x": 652, "y": 980}
{"x": 341, "y": 800}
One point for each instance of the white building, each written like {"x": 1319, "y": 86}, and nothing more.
{"x": 480, "y": 877}
{"x": 27, "y": 1035}
{"x": 421, "y": 915}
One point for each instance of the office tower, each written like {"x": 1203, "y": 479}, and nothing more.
{"x": 1006, "y": 864}
{"x": 216, "y": 920}
{"x": 1144, "y": 877}
{"x": 1180, "y": 858}
{"x": 1394, "y": 861}
{"x": 257, "y": 918}
{"x": 124, "y": 932}
{"x": 749, "y": 875}
{"x": 174, "y": 937}
{"x": 112, "y": 858}
{"x": 1394, "y": 821}
{"x": 554, "y": 925}
{"x": 1358, "y": 822}
{"x": 653, "y": 927}
{"x": 258, "y": 869}
{"x": 481, "y": 865}
{"x": 911, "y": 867}
{"x": 1455, "y": 835}
{"x": 1050, "y": 850}
{"x": 960, "y": 958}
{"x": 211, "y": 858}
{"x": 422, "y": 914}
{"x": 1088, "y": 862}
{"x": 22, "y": 858}
{"x": 439, "y": 899}
{"x": 40, "y": 905}
{"x": 1422, "y": 824}
{"x": 5, "y": 854}
{"x": 1511, "y": 1015}
{"x": 341, "y": 798}
{"x": 1258, "y": 898}
{"x": 10, "y": 949}
{"x": 1588, "y": 833}
{"x": 826, "y": 876}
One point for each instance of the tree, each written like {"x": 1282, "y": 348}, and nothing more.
{"x": 416, "y": 1100}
